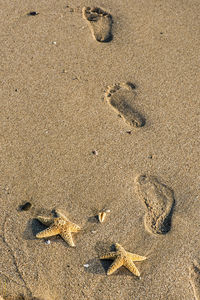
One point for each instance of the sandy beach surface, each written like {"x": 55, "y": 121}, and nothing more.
{"x": 89, "y": 124}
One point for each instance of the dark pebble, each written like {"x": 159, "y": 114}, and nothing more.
{"x": 25, "y": 206}
{"x": 132, "y": 85}
{"x": 94, "y": 152}
{"x": 33, "y": 13}
{"x": 128, "y": 131}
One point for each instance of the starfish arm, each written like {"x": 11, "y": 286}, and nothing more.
{"x": 60, "y": 214}
{"x": 136, "y": 257}
{"x": 131, "y": 267}
{"x": 45, "y": 220}
{"x": 117, "y": 263}
{"x": 51, "y": 231}
{"x": 67, "y": 237}
{"x": 118, "y": 247}
{"x": 109, "y": 255}
{"x": 74, "y": 227}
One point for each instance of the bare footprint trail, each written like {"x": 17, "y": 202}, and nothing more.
{"x": 120, "y": 97}
{"x": 158, "y": 200}
{"x": 100, "y": 23}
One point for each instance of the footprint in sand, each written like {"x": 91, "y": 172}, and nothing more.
{"x": 158, "y": 200}
{"x": 100, "y": 23}
{"x": 120, "y": 98}
{"x": 195, "y": 280}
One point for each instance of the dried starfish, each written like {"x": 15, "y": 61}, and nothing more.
{"x": 59, "y": 225}
{"x": 123, "y": 258}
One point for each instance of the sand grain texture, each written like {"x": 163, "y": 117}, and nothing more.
{"x": 52, "y": 117}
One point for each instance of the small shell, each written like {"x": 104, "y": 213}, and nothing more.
{"x": 101, "y": 216}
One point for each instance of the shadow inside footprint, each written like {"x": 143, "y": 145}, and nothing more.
{"x": 120, "y": 97}
{"x": 159, "y": 202}
{"x": 100, "y": 23}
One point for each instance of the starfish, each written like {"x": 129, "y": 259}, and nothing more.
{"x": 58, "y": 225}
{"x": 123, "y": 257}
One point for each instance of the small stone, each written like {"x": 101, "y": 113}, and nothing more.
{"x": 6, "y": 189}
{"x": 54, "y": 43}
{"x": 129, "y": 131}
{"x": 93, "y": 231}
{"x": 25, "y": 206}
{"x": 48, "y": 242}
{"x": 95, "y": 152}
{"x": 33, "y": 13}
{"x": 86, "y": 265}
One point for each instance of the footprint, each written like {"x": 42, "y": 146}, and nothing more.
{"x": 195, "y": 280}
{"x": 100, "y": 23}
{"x": 120, "y": 97}
{"x": 159, "y": 201}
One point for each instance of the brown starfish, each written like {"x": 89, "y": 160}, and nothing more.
{"x": 58, "y": 225}
{"x": 123, "y": 257}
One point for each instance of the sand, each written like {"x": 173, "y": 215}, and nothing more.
{"x": 63, "y": 146}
